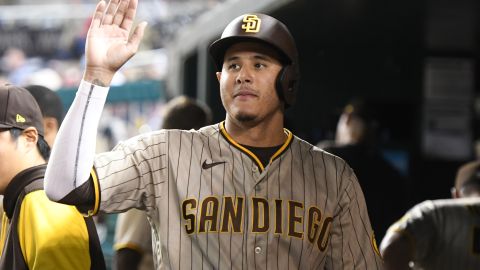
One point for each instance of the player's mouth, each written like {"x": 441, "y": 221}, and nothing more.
{"x": 245, "y": 93}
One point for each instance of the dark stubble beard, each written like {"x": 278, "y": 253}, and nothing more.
{"x": 245, "y": 117}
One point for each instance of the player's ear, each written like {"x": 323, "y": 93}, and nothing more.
{"x": 454, "y": 193}
{"x": 219, "y": 75}
{"x": 31, "y": 134}
{"x": 30, "y": 138}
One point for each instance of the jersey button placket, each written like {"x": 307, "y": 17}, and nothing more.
{"x": 258, "y": 250}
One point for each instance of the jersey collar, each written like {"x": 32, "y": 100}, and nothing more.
{"x": 249, "y": 153}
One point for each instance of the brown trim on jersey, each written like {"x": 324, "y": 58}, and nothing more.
{"x": 249, "y": 153}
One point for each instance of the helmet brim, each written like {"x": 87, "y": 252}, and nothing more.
{"x": 218, "y": 48}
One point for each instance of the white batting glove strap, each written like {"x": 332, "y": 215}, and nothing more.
{"x": 73, "y": 153}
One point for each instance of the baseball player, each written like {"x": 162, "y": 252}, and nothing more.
{"x": 243, "y": 193}
{"x": 439, "y": 234}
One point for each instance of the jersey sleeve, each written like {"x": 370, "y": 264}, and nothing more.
{"x": 73, "y": 154}
{"x": 133, "y": 174}
{"x": 418, "y": 224}
{"x": 352, "y": 241}
{"x": 133, "y": 231}
{"x": 52, "y": 233}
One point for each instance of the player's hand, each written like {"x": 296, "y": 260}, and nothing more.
{"x": 108, "y": 45}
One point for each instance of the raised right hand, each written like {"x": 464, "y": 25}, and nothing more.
{"x": 108, "y": 45}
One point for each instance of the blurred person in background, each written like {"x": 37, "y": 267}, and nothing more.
{"x": 17, "y": 67}
{"x": 52, "y": 110}
{"x": 46, "y": 77}
{"x": 356, "y": 142}
{"x": 133, "y": 240}
{"x": 439, "y": 234}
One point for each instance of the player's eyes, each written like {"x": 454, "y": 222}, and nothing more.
{"x": 259, "y": 65}
{"x": 233, "y": 66}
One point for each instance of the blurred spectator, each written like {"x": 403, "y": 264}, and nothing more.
{"x": 47, "y": 77}
{"x": 355, "y": 142}
{"x": 52, "y": 110}
{"x": 15, "y": 64}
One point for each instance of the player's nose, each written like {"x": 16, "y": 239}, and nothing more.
{"x": 244, "y": 75}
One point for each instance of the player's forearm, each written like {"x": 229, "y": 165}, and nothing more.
{"x": 72, "y": 156}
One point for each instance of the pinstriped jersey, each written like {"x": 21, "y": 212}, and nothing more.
{"x": 445, "y": 233}
{"x": 215, "y": 206}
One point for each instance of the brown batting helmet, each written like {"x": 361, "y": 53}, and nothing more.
{"x": 265, "y": 29}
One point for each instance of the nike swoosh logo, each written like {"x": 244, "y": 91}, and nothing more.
{"x": 206, "y": 165}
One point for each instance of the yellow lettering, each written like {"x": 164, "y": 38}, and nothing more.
{"x": 251, "y": 23}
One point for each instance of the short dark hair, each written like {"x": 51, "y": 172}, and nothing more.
{"x": 49, "y": 102}
{"x": 185, "y": 113}
{"x": 42, "y": 145}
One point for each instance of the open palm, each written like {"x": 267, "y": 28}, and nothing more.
{"x": 108, "y": 44}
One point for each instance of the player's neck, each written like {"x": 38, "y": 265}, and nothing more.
{"x": 262, "y": 134}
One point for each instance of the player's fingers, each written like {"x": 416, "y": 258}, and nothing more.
{"x": 120, "y": 14}
{"x": 134, "y": 41}
{"x": 97, "y": 16}
{"x": 108, "y": 17}
{"x": 129, "y": 15}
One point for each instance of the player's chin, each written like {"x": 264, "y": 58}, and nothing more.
{"x": 245, "y": 116}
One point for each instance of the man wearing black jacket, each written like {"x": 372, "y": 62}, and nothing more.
{"x": 36, "y": 233}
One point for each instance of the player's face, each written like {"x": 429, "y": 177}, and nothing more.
{"x": 8, "y": 158}
{"x": 247, "y": 82}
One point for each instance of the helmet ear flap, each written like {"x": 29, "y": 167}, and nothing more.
{"x": 286, "y": 85}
